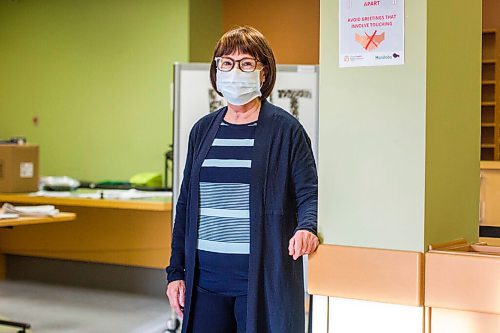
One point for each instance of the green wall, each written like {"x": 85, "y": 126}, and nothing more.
{"x": 98, "y": 76}
{"x": 399, "y": 145}
{"x": 205, "y": 29}
{"x": 453, "y": 120}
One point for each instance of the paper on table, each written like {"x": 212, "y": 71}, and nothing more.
{"x": 44, "y": 210}
{"x": 4, "y": 216}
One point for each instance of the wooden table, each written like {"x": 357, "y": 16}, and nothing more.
{"x": 61, "y": 217}
{"x": 22, "y": 221}
{"x": 123, "y": 232}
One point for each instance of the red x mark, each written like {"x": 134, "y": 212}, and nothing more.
{"x": 370, "y": 40}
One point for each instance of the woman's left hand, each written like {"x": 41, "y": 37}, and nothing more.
{"x": 303, "y": 242}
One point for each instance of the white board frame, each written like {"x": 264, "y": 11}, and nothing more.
{"x": 184, "y": 120}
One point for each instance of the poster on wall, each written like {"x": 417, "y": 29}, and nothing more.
{"x": 371, "y": 33}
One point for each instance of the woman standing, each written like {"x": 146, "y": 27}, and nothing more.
{"x": 247, "y": 209}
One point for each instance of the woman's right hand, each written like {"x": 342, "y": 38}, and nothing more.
{"x": 176, "y": 293}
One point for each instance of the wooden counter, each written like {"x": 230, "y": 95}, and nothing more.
{"x": 489, "y": 220}
{"x": 461, "y": 288}
{"x": 155, "y": 204}
{"x": 379, "y": 275}
{"x": 122, "y": 232}
{"x": 490, "y": 165}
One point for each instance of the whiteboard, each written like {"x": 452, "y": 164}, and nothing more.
{"x": 296, "y": 90}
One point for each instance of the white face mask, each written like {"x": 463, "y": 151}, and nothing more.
{"x": 239, "y": 87}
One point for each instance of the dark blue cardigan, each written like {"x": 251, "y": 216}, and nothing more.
{"x": 283, "y": 199}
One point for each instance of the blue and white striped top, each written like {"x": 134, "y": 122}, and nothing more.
{"x": 224, "y": 218}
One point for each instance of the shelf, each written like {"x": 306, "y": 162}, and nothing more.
{"x": 490, "y": 147}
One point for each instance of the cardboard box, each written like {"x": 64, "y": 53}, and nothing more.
{"x": 18, "y": 168}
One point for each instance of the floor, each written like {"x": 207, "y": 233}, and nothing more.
{"x": 60, "y": 309}
{"x": 56, "y": 309}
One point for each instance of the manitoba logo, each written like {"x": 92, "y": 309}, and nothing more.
{"x": 370, "y": 42}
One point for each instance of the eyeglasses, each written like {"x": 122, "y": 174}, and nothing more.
{"x": 226, "y": 64}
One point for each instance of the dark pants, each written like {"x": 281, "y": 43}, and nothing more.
{"x": 213, "y": 313}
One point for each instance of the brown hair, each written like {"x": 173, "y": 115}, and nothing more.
{"x": 246, "y": 39}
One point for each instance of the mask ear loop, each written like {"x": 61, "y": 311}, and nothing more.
{"x": 264, "y": 77}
